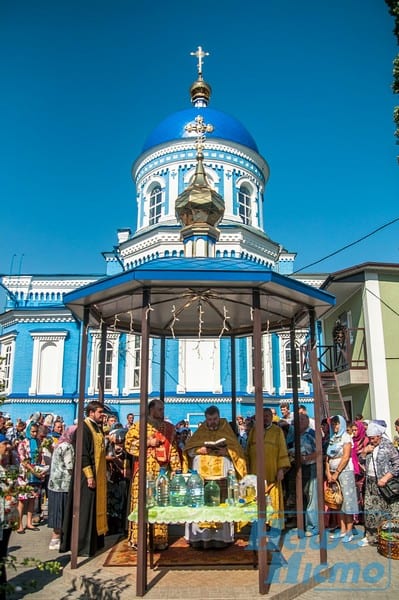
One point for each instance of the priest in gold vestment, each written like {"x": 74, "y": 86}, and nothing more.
{"x": 276, "y": 463}
{"x": 161, "y": 450}
{"x": 213, "y": 463}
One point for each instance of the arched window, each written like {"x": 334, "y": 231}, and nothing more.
{"x": 155, "y": 205}
{"x": 244, "y": 204}
{"x": 288, "y": 366}
{"x": 110, "y": 364}
{"x": 108, "y": 367}
{"x": 47, "y": 362}
{"x": 133, "y": 363}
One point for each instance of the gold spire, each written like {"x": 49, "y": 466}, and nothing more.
{"x": 198, "y": 203}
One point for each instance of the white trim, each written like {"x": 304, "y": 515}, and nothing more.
{"x": 267, "y": 364}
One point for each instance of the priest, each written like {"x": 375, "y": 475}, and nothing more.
{"x": 212, "y": 461}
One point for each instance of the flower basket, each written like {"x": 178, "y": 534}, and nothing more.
{"x": 388, "y": 539}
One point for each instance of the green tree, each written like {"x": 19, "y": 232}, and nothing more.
{"x": 393, "y": 6}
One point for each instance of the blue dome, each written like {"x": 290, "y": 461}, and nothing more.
{"x": 224, "y": 127}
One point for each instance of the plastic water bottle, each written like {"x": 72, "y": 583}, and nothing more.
{"x": 212, "y": 493}
{"x": 195, "y": 490}
{"x": 269, "y": 508}
{"x": 151, "y": 491}
{"x": 162, "y": 488}
{"x": 231, "y": 481}
{"x": 178, "y": 490}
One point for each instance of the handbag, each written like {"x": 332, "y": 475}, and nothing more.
{"x": 333, "y": 497}
{"x": 390, "y": 491}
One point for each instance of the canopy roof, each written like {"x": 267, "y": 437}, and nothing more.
{"x": 198, "y": 297}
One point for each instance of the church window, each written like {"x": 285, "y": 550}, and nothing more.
{"x": 132, "y": 364}
{"x": 266, "y": 361}
{"x": 288, "y": 366}
{"x": 244, "y": 204}
{"x": 47, "y": 362}
{"x": 108, "y": 368}
{"x": 110, "y": 364}
{"x": 155, "y": 205}
{"x": 7, "y": 362}
{"x": 7, "y": 367}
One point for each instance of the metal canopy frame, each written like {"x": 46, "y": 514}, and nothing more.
{"x": 202, "y": 298}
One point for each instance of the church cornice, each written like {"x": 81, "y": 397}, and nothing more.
{"x": 14, "y": 317}
{"x": 215, "y": 155}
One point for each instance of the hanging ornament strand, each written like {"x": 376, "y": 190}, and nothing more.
{"x": 175, "y": 318}
{"x": 148, "y": 310}
{"x": 200, "y": 319}
{"x": 116, "y": 319}
{"x": 131, "y": 329}
{"x": 225, "y": 319}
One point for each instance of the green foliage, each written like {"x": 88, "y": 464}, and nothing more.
{"x": 52, "y": 566}
{"x": 393, "y": 6}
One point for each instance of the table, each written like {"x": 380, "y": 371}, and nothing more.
{"x": 175, "y": 515}
{"x": 223, "y": 513}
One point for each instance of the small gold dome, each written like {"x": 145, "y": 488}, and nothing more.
{"x": 200, "y": 91}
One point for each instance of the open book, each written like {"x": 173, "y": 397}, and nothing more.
{"x": 218, "y": 444}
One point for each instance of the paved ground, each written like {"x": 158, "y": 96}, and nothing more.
{"x": 350, "y": 570}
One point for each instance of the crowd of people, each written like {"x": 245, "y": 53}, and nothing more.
{"x": 42, "y": 453}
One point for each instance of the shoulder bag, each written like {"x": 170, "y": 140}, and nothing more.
{"x": 390, "y": 491}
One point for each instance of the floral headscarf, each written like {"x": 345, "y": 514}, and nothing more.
{"x": 359, "y": 440}
{"x": 68, "y": 434}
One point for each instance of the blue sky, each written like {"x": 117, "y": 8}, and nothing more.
{"x": 84, "y": 82}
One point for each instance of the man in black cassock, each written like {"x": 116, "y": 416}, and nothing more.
{"x": 93, "y": 498}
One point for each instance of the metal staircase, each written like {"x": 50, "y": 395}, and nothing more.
{"x": 330, "y": 392}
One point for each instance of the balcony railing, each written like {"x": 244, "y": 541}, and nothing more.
{"x": 349, "y": 353}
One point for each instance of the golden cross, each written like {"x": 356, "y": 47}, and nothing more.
{"x": 200, "y": 54}
{"x": 200, "y": 128}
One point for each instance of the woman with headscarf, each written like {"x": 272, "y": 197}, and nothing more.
{"x": 8, "y": 509}
{"x": 382, "y": 464}
{"x": 360, "y": 441}
{"x": 31, "y": 476}
{"x": 339, "y": 466}
{"x": 59, "y": 481}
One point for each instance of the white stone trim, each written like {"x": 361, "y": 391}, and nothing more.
{"x": 267, "y": 364}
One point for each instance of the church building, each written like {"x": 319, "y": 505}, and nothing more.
{"x": 40, "y": 339}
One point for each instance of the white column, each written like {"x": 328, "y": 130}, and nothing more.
{"x": 379, "y": 397}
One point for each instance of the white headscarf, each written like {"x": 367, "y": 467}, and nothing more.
{"x": 375, "y": 429}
